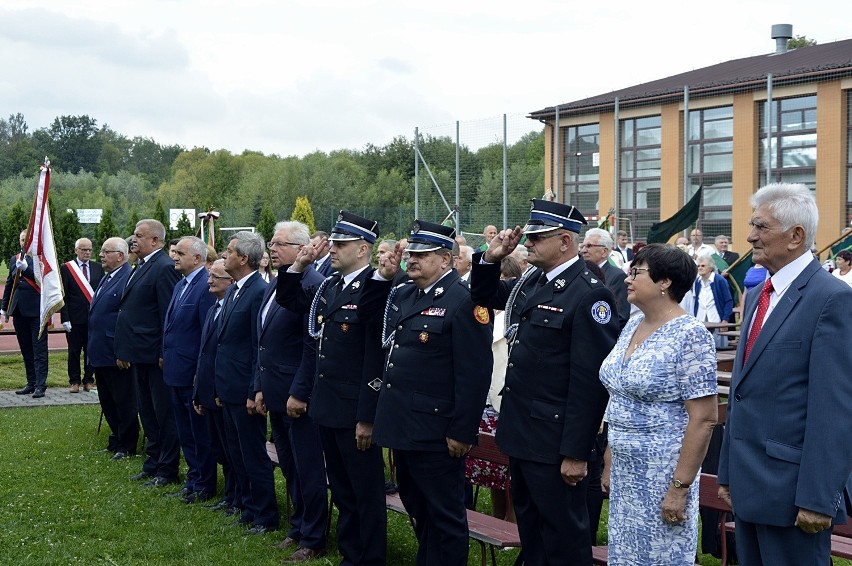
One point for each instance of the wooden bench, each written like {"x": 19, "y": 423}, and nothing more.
{"x": 490, "y": 532}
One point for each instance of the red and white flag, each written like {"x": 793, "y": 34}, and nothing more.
{"x": 40, "y": 246}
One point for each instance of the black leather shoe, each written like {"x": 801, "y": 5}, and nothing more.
{"x": 260, "y": 530}
{"x": 220, "y": 506}
{"x": 159, "y": 481}
{"x": 182, "y": 492}
{"x": 120, "y": 456}
{"x": 26, "y": 390}
{"x": 196, "y": 497}
{"x": 231, "y": 511}
{"x": 141, "y": 476}
{"x": 39, "y": 393}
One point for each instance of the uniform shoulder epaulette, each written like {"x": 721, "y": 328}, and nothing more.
{"x": 591, "y": 278}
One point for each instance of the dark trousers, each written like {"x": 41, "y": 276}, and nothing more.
{"x": 162, "y": 449}
{"x": 77, "y": 340}
{"x": 33, "y": 349}
{"x": 765, "y": 545}
{"x": 246, "y": 442}
{"x": 553, "y": 521}
{"x": 357, "y": 482}
{"x": 194, "y": 441}
{"x": 431, "y": 486}
{"x": 117, "y": 395}
{"x": 280, "y": 424}
{"x": 216, "y": 430}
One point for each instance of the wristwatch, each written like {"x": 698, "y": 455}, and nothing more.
{"x": 679, "y": 484}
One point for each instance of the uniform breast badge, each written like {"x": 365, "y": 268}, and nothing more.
{"x": 344, "y": 328}
{"x": 424, "y": 337}
{"x": 481, "y": 315}
{"x": 319, "y": 319}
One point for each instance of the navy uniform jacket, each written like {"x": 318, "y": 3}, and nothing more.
{"x": 786, "y": 443}
{"x": 203, "y": 389}
{"x": 27, "y": 300}
{"x": 182, "y": 330}
{"x": 103, "y": 314}
{"x": 437, "y": 371}
{"x": 142, "y": 311}
{"x": 350, "y": 358}
{"x": 76, "y": 309}
{"x": 553, "y": 400}
{"x": 286, "y": 356}
{"x": 236, "y": 341}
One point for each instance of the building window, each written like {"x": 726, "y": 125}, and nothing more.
{"x": 711, "y": 164}
{"x": 581, "y": 160}
{"x": 639, "y": 175}
{"x": 792, "y": 148}
{"x": 848, "y": 220}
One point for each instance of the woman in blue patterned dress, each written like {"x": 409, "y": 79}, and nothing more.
{"x": 661, "y": 378}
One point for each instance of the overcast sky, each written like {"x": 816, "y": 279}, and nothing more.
{"x": 293, "y": 76}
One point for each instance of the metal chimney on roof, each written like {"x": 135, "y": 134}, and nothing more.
{"x": 781, "y": 33}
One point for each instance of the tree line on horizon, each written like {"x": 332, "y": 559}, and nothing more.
{"x": 131, "y": 178}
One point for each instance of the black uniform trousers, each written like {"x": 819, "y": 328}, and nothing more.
{"x": 218, "y": 449}
{"x": 357, "y": 482}
{"x": 33, "y": 349}
{"x": 431, "y": 487}
{"x": 246, "y": 442}
{"x": 77, "y": 342}
{"x": 552, "y": 517}
{"x": 162, "y": 449}
{"x": 117, "y": 395}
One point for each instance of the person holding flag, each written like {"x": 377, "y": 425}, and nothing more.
{"x": 33, "y": 290}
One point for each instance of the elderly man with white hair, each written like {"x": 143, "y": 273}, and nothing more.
{"x": 596, "y": 247}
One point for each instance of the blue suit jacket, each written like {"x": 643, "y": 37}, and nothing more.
{"x": 286, "y": 357}
{"x": 786, "y": 444}
{"x": 204, "y": 389}
{"x": 236, "y": 341}
{"x": 103, "y": 314}
{"x": 182, "y": 330}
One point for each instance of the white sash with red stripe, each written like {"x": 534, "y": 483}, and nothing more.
{"x": 82, "y": 283}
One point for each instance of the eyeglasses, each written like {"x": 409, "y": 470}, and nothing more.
{"x": 634, "y": 271}
{"x": 271, "y": 245}
{"x": 537, "y": 238}
{"x": 111, "y": 251}
{"x": 84, "y": 249}
{"x": 587, "y": 246}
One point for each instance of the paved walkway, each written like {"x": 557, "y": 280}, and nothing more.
{"x": 53, "y": 396}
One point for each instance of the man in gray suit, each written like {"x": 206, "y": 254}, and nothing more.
{"x": 786, "y": 456}
{"x": 596, "y": 247}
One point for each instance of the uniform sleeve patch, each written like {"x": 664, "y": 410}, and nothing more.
{"x": 481, "y": 315}
{"x": 601, "y": 312}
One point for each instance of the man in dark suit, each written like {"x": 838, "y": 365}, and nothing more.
{"x": 80, "y": 277}
{"x": 185, "y": 316}
{"x": 116, "y": 391}
{"x": 24, "y": 305}
{"x": 622, "y": 247}
{"x": 786, "y": 456}
{"x": 436, "y": 379}
{"x": 322, "y": 262}
{"x": 138, "y": 346}
{"x": 286, "y": 363}
{"x": 722, "y": 244}
{"x": 343, "y": 402}
{"x": 595, "y": 248}
{"x": 562, "y": 323}
{"x": 204, "y": 398}
{"x": 236, "y": 362}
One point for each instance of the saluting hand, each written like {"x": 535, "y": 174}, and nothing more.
{"x": 389, "y": 263}
{"x": 503, "y": 244}
{"x": 308, "y": 254}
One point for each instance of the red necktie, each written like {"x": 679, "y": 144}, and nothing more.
{"x": 86, "y": 271}
{"x": 759, "y": 315}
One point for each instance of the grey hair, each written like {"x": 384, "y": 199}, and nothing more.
{"x": 196, "y": 246}
{"x": 721, "y": 237}
{"x": 391, "y": 243}
{"x": 521, "y": 252}
{"x": 120, "y": 244}
{"x": 604, "y": 237}
{"x": 466, "y": 252}
{"x": 155, "y": 227}
{"x": 709, "y": 260}
{"x": 77, "y": 243}
{"x": 298, "y": 232}
{"x": 249, "y": 245}
{"x": 790, "y": 204}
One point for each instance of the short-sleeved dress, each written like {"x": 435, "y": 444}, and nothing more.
{"x": 647, "y": 420}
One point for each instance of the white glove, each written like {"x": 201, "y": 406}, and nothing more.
{"x": 2, "y": 313}
{"x": 21, "y": 264}
{"x": 66, "y": 326}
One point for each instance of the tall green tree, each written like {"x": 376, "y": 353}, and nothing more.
{"x": 266, "y": 222}
{"x": 66, "y": 231}
{"x": 72, "y": 143}
{"x": 800, "y": 41}
{"x": 160, "y": 214}
{"x": 106, "y": 229}
{"x": 16, "y": 221}
{"x": 131, "y": 224}
{"x": 303, "y": 213}
{"x": 184, "y": 228}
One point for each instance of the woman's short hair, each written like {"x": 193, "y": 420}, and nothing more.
{"x": 668, "y": 262}
{"x": 846, "y": 255}
{"x": 510, "y": 268}
{"x": 709, "y": 260}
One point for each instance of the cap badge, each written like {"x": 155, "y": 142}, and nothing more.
{"x": 340, "y": 216}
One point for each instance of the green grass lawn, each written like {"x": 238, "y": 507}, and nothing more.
{"x": 65, "y": 503}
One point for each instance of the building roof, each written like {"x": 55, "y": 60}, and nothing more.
{"x": 814, "y": 63}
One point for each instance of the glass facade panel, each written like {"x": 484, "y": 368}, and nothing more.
{"x": 640, "y": 158}
{"x": 711, "y": 166}
{"x": 580, "y": 157}
{"x": 792, "y": 142}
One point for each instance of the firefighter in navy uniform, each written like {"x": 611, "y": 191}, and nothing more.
{"x": 347, "y": 383}
{"x": 437, "y": 373}
{"x": 561, "y": 324}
